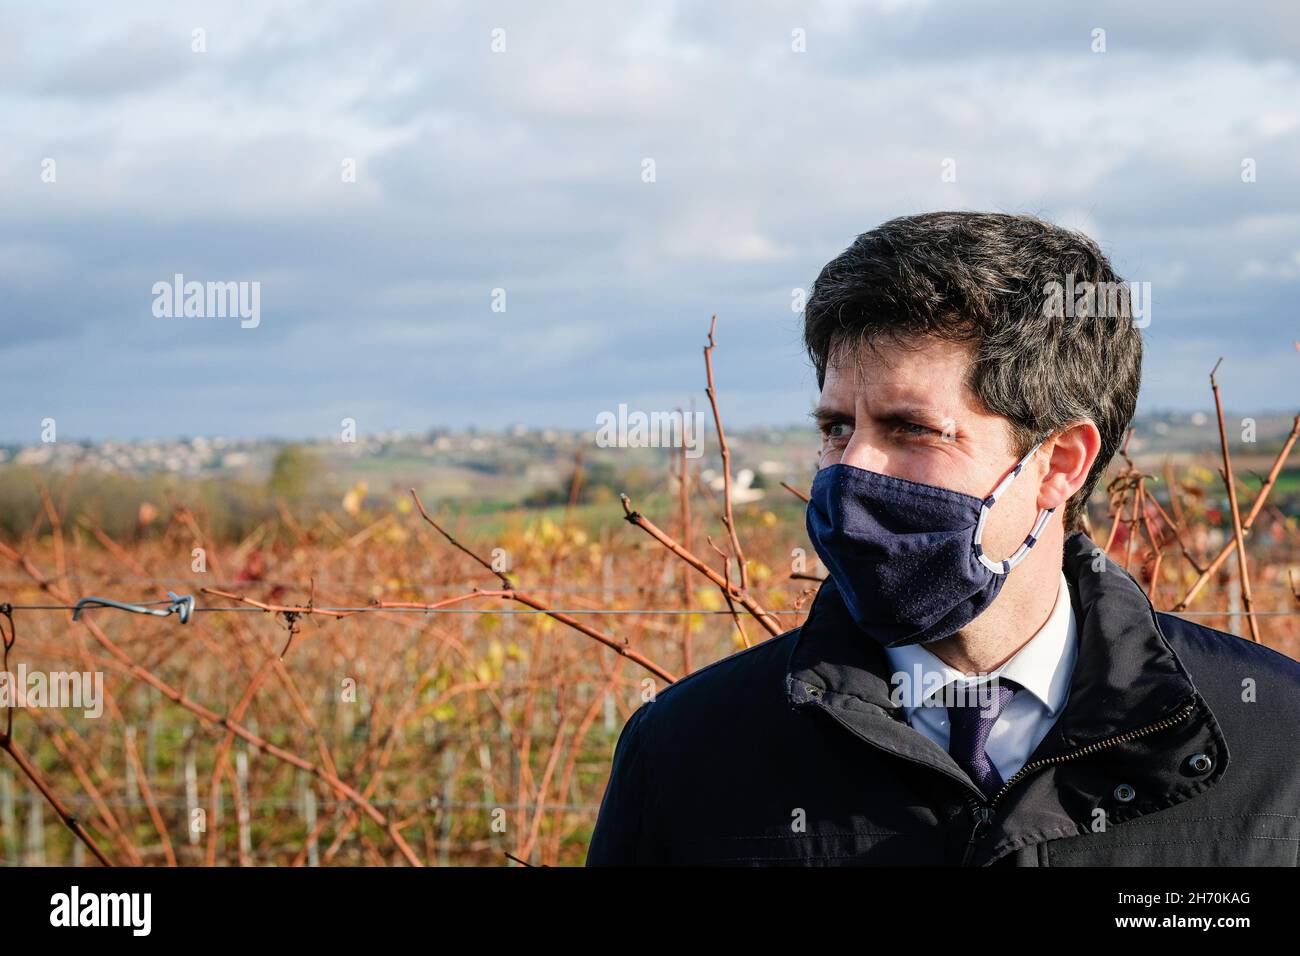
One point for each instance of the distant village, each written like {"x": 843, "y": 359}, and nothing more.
{"x": 769, "y": 451}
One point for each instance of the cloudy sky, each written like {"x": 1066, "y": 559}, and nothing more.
{"x": 522, "y": 169}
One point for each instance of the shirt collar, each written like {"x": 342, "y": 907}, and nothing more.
{"x": 1043, "y": 666}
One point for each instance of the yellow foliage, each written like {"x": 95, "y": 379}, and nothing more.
{"x": 353, "y": 500}
{"x": 710, "y": 599}
{"x": 543, "y": 533}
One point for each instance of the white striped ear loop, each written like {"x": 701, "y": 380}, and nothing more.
{"x": 1002, "y": 567}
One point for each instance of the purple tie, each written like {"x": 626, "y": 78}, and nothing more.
{"x": 970, "y": 723}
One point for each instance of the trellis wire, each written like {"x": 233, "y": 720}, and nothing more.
{"x": 370, "y": 609}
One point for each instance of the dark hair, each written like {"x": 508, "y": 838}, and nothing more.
{"x": 986, "y": 279}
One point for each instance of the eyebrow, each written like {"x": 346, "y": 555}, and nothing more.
{"x": 829, "y": 414}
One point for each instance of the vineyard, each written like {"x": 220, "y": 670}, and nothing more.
{"x": 389, "y": 685}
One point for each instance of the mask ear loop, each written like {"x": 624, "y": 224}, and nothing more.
{"x": 1002, "y": 567}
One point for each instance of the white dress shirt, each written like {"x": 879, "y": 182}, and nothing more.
{"x": 1042, "y": 667}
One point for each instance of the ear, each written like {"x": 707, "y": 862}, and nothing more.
{"x": 1071, "y": 454}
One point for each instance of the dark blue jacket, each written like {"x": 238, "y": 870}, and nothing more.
{"x": 1178, "y": 745}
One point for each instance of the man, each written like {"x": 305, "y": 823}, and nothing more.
{"x": 976, "y": 683}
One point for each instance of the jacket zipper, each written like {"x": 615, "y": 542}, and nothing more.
{"x": 983, "y": 812}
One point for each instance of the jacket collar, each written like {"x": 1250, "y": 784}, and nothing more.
{"x": 1126, "y": 674}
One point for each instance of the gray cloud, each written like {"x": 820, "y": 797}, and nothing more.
{"x": 522, "y": 170}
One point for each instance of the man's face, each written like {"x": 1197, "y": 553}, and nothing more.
{"x": 907, "y": 412}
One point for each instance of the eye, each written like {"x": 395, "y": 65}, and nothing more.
{"x": 839, "y": 430}
{"x": 912, "y": 428}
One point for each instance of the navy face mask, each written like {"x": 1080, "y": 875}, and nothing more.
{"x": 906, "y": 556}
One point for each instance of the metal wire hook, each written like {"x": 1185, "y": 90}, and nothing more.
{"x": 182, "y": 607}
